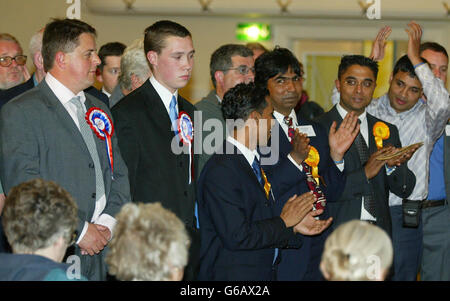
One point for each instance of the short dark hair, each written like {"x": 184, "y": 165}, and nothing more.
{"x": 349, "y": 60}
{"x": 274, "y": 62}
{"x": 241, "y": 100}
{"x": 110, "y": 49}
{"x": 404, "y": 65}
{"x": 433, "y": 46}
{"x": 155, "y": 35}
{"x": 221, "y": 58}
{"x": 62, "y": 35}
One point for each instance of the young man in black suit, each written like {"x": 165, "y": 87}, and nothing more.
{"x": 240, "y": 228}
{"x": 369, "y": 180}
{"x": 161, "y": 168}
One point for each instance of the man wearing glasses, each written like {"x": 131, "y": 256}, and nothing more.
{"x": 12, "y": 62}
{"x": 230, "y": 64}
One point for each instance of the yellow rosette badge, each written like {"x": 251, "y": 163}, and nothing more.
{"x": 381, "y": 132}
{"x": 313, "y": 161}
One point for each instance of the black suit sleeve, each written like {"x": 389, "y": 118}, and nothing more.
{"x": 229, "y": 211}
{"x": 128, "y": 144}
{"x": 402, "y": 181}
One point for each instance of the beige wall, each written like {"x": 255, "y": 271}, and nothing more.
{"x": 22, "y": 17}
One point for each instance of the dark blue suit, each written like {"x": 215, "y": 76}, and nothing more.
{"x": 9, "y": 94}
{"x": 239, "y": 227}
{"x": 303, "y": 263}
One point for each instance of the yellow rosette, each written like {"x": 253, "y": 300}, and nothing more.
{"x": 380, "y": 132}
{"x": 313, "y": 161}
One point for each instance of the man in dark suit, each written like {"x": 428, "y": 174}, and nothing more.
{"x": 240, "y": 230}
{"x": 45, "y": 134}
{"x": 158, "y": 156}
{"x": 369, "y": 180}
{"x": 280, "y": 73}
{"x": 230, "y": 65}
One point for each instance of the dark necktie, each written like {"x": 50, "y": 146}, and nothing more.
{"x": 363, "y": 152}
{"x": 312, "y": 184}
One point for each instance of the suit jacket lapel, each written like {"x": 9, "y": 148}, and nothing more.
{"x": 65, "y": 120}
{"x": 370, "y": 123}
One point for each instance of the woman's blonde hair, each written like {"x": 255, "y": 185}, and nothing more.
{"x": 149, "y": 242}
{"x": 357, "y": 251}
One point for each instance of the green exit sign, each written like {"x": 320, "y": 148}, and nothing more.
{"x": 253, "y": 32}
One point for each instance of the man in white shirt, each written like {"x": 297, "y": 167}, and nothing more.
{"x": 159, "y": 157}
{"x": 45, "y": 134}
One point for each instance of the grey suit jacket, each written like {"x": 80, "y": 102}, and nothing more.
{"x": 40, "y": 140}
{"x": 210, "y": 108}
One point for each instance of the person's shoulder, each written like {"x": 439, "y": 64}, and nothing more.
{"x": 60, "y": 274}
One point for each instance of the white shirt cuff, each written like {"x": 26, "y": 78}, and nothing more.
{"x": 107, "y": 221}
{"x": 340, "y": 166}
{"x": 295, "y": 163}
{"x": 83, "y": 232}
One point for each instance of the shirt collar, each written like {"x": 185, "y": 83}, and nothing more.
{"x": 343, "y": 113}
{"x": 280, "y": 117}
{"x": 63, "y": 93}
{"x": 106, "y": 92}
{"x": 163, "y": 92}
{"x": 248, "y": 154}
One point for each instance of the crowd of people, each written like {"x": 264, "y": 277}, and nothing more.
{"x": 253, "y": 182}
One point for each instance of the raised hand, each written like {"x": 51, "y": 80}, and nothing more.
{"x": 415, "y": 34}
{"x": 340, "y": 140}
{"x": 379, "y": 44}
{"x": 296, "y": 208}
{"x": 310, "y": 226}
{"x": 300, "y": 147}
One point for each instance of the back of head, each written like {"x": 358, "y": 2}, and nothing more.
{"x": 110, "y": 49}
{"x": 274, "y": 62}
{"x": 350, "y": 60}
{"x": 240, "y": 101}
{"x": 62, "y": 35}
{"x": 36, "y": 214}
{"x": 434, "y": 47}
{"x": 36, "y": 42}
{"x": 221, "y": 58}
{"x": 148, "y": 244}
{"x": 156, "y": 34}
{"x": 404, "y": 65}
{"x": 133, "y": 61}
{"x": 256, "y": 46}
{"x": 357, "y": 251}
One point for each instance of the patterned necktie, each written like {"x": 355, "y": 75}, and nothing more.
{"x": 261, "y": 176}
{"x": 173, "y": 114}
{"x": 363, "y": 152}
{"x": 312, "y": 184}
{"x": 88, "y": 138}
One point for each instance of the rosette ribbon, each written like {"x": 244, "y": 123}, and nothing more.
{"x": 313, "y": 161}
{"x": 186, "y": 134}
{"x": 380, "y": 132}
{"x": 103, "y": 127}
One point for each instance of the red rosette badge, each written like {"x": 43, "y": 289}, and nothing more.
{"x": 103, "y": 127}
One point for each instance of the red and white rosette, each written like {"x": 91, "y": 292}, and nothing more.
{"x": 103, "y": 127}
{"x": 186, "y": 134}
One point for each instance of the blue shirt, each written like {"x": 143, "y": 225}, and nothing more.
{"x": 436, "y": 188}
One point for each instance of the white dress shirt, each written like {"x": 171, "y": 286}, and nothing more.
{"x": 164, "y": 93}
{"x": 64, "y": 95}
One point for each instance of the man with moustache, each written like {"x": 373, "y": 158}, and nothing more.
{"x": 280, "y": 74}
{"x": 159, "y": 156}
{"x": 417, "y": 121}
{"x": 45, "y": 134}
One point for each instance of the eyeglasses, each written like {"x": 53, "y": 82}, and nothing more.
{"x": 243, "y": 69}
{"x": 6, "y": 61}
